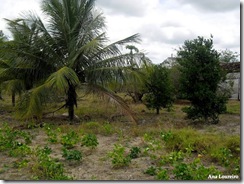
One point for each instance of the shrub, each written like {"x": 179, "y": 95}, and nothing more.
{"x": 200, "y": 76}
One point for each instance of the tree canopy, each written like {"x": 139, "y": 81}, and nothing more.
{"x": 71, "y": 50}
{"x": 201, "y": 75}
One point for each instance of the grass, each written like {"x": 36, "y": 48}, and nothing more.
{"x": 172, "y": 143}
{"x": 233, "y": 107}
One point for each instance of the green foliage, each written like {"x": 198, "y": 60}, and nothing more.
{"x": 72, "y": 154}
{"x": 193, "y": 171}
{"x": 52, "y": 134}
{"x": 45, "y": 168}
{"x": 173, "y": 157}
{"x": 166, "y": 135}
{"x": 20, "y": 150}
{"x": 70, "y": 139}
{"x": 89, "y": 140}
{"x": 224, "y": 156}
{"x": 15, "y": 141}
{"x": 162, "y": 175}
{"x": 200, "y": 76}
{"x": 107, "y": 129}
{"x": 118, "y": 156}
{"x": 134, "y": 152}
{"x": 229, "y": 56}
{"x": 152, "y": 171}
{"x": 159, "y": 89}
{"x": 21, "y": 163}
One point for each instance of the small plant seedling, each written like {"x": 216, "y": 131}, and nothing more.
{"x": 152, "y": 171}
{"x": 119, "y": 159}
{"x": 52, "y": 134}
{"x": 134, "y": 152}
{"x": 72, "y": 154}
{"x": 162, "y": 175}
{"x": 89, "y": 140}
{"x": 70, "y": 139}
{"x": 46, "y": 168}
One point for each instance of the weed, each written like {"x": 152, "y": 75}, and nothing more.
{"x": 162, "y": 175}
{"x": 166, "y": 136}
{"x": 152, "y": 171}
{"x": 173, "y": 157}
{"x": 107, "y": 129}
{"x": 21, "y": 163}
{"x": 193, "y": 171}
{"x": 72, "y": 154}
{"x": 134, "y": 152}
{"x": 52, "y": 134}
{"x": 20, "y": 150}
{"x": 45, "y": 168}
{"x": 70, "y": 139}
{"x": 119, "y": 159}
{"x": 90, "y": 140}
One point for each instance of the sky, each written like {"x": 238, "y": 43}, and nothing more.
{"x": 163, "y": 25}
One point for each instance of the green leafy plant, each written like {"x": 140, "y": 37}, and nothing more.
{"x": 89, "y": 140}
{"x": 20, "y": 150}
{"x": 70, "y": 139}
{"x": 193, "y": 171}
{"x": 118, "y": 156}
{"x": 162, "y": 175}
{"x": 166, "y": 136}
{"x": 134, "y": 152}
{"x": 52, "y": 134}
{"x": 173, "y": 157}
{"x": 152, "y": 171}
{"x": 72, "y": 154}
{"x": 224, "y": 156}
{"x": 46, "y": 168}
{"x": 107, "y": 129}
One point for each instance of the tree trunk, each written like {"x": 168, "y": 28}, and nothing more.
{"x": 13, "y": 99}
{"x": 71, "y": 102}
{"x": 157, "y": 109}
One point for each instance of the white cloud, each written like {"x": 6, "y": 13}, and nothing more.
{"x": 164, "y": 25}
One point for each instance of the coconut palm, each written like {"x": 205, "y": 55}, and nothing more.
{"x": 67, "y": 52}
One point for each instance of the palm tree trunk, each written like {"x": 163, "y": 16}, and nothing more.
{"x": 71, "y": 102}
{"x": 157, "y": 110}
{"x": 13, "y": 99}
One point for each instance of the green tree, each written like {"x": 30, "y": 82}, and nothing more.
{"x": 228, "y": 56}
{"x": 200, "y": 76}
{"x": 70, "y": 51}
{"x": 159, "y": 88}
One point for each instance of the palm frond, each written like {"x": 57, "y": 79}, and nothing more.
{"x": 100, "y": 90}
{"x": 61, "y": 79}
{"x": 31, "y": 103}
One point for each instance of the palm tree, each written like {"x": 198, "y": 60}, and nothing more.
{"x": 69, "y": 51}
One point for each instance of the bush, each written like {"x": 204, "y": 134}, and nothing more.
{"x": 200, "y": 76}
{"x": 159, "y": 89}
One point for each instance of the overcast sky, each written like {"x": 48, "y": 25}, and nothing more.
{"x": 164, "y": 25}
